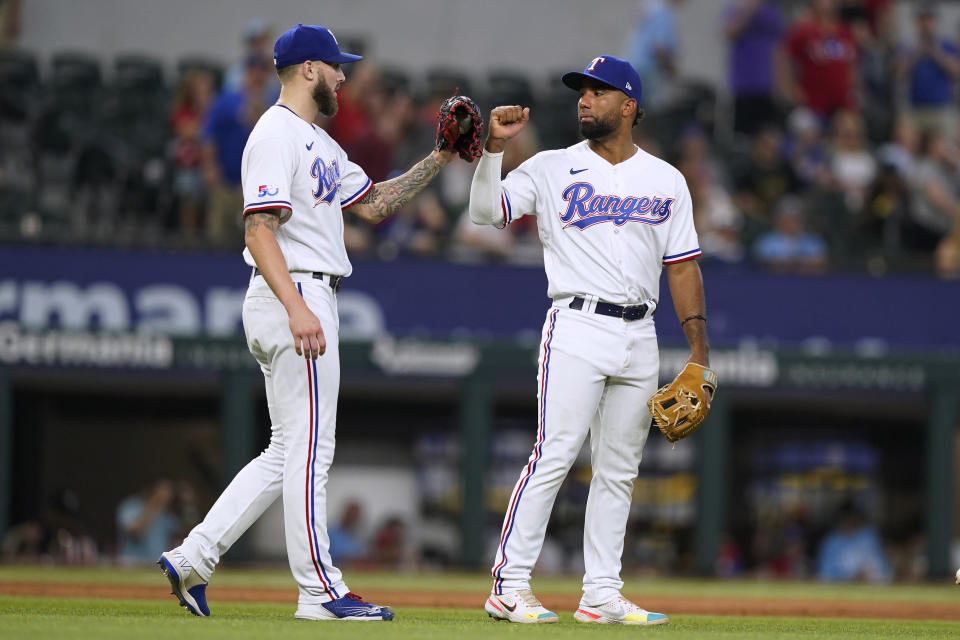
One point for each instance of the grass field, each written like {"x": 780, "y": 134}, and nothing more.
{"x": 39, "y": 618}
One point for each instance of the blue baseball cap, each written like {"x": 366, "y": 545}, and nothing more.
{"x": 610, "y": 70}
{"x": 309, "y": 42}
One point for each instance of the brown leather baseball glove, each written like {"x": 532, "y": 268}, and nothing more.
{"x": 679, "y": 408}
{"x": 460, "y": 127}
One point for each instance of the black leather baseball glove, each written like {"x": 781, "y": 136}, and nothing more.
{"x": 460, "y": 127}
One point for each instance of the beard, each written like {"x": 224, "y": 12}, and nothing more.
{"x": 599, "y": 128}
{"x": 326, "y": 99}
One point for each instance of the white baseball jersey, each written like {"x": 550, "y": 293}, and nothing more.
{"x": 291, "y": 164}
{"x": 606, "y": 229}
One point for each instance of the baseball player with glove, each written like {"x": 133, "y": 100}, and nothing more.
{"x": 297, "y": 182}
{"x": 610, "y": 216}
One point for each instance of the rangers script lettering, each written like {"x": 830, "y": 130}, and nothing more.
{"x": 328, "y": 180}
{"x": 590, "y": 209}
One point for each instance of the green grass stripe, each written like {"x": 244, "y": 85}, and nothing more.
{"x": 943, "y": 592}
{"x": 43, "y": 618}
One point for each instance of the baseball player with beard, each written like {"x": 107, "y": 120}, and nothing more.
{"x": 609, "y": 216}
{"x": 296, "y": 183}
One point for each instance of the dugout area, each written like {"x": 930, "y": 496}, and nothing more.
{"x": 786, "y": 430}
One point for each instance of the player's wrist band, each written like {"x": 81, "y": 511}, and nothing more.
{"x": 695, "y": 316}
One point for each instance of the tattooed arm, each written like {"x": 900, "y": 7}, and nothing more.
{"x": 260, "y": 229}
{"x": 385, "y": 198}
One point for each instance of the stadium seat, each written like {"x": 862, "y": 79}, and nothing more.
{"x": 509, "y": 87}
{"x": 138, "y": 93}
{"x": 138, "y": 72}
{"x": 443, "y": 81}
{"x": 77, "y": 68}
{"x": 76, "y": 86}
{"x": 20, "y": 67}
{"x": 19, "y": 81}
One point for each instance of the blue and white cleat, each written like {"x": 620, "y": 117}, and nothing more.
{"x": 519, "y": 606}
{"x": 618, "y": 611}
{"x": 349, "y": 607}
{"x": 190, "y": 589}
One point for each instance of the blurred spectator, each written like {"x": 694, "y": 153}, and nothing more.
{"x": 853, "y": 550}
{"x": 695, "y": 151}
{"x": 193, "y": 97}
{"x": 519, "y": 241}
{"x": 426, "y": 226}
{"x": 816, "y": 66}
{"x": 729, "y": 563}
{"x": 372, "y": 122}
{"x": 806, "y": 149}
{"x": 931, "y": 68}
{"x": 793, "y": 562}
{"x": 186, "y": 507}
{"x": 356, "y": 127}
{"x": 936, "y": 208}
{"x": 390, "y": 549}
{"x": 876, "y": 68}
{"x": 653, "y": 49}
{"x": 146, "y": 523}
{"x": 885, "y": 209}
{"x": 879, "y": 15}
{"x": 229, "y": 123}
{"x": 781, "y": 543}
{"x": 257, "y": 43}
{"x": 754, "y": 29}
{"x": 346, "y": 543}
{"x": 789, "y": 248}
{"x": 947, "y": 256}
{"x": 852, "y": 166}
{"x": 761, "y": 180}
{"x": 901, "y": 150}
{"x": 356, "y": 113}
{"x": 59, "y": 535}
{"x": 716, "y": 219}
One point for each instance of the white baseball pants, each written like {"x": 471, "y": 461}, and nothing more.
{"x": 302, "y": 400}
{"x": 595, "y": 376}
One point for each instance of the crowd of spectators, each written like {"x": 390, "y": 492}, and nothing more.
{"x": 838, "y": 148}
{"x": 833, "y": 146}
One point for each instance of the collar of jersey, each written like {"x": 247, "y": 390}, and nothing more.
{"x": 283, "y": 106}
{"x": 596, "y": 156}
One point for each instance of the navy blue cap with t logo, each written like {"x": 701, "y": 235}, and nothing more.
{"x": 610, "y": 70}
{"x": 309, "y": 42}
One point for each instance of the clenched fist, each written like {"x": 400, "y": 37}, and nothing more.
{"x": 505, "y": 122}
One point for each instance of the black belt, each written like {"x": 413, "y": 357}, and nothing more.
{"x": 335, "y": 282}
{"x": 634, "y": 312}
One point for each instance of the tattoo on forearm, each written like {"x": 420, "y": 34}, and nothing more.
{"x": 388, "y": 197}
{"x": 268, "y": 219}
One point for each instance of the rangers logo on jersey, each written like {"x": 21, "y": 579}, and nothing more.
{"x": 585, "y": 209}
{"x": 328, "y": 180}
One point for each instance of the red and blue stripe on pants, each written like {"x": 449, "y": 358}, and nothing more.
{"x": 532, "y": 464}
{"x": 310, "y": 481}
